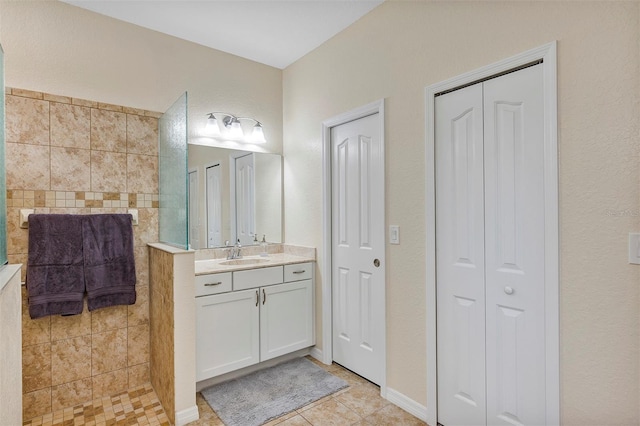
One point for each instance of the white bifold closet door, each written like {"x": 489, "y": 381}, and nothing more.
{"x": 490, "y": 252}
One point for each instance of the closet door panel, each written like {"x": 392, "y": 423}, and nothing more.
{"x": 460, "y": 257}
{"x": 514, "y": 247}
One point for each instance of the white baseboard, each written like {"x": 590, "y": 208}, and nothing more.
{"x": 407, "y": 404}
{"x": 189, "y": 415}
{"x": 317, "y": 354}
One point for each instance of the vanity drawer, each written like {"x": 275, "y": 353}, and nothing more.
{"x": 298, "y": 271}
{"x": 213, "y": 283}
{"x": 252, "y": 278}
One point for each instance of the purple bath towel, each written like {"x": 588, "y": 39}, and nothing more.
{"x": 55, "y": 278}
{"x": 109, "y": 267}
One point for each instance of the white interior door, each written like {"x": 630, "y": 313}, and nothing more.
{"x": 490, "y": 252}
{"x": 194, "y": 217}
{"x": 514, "y": 244}
{"x": 245, "y": 199}
{"x": 460, "y": 257}
{"x": 358, "y": 240}
{"x": 214, "y": 206}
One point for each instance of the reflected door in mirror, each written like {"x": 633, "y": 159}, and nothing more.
{"x": 245, "y": 199}
{"x": 214, "y": 207}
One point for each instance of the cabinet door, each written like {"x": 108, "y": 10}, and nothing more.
{"x": 227, "y": 333}
{"x": 286, "y": 318}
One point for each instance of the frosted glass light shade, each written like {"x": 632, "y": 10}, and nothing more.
{"x": 257, "y": 136}
{"x": 235, "y": 130}
{"x": 212, "y": 128}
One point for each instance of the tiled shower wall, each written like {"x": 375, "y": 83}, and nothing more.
{"x": 67, "y": 155}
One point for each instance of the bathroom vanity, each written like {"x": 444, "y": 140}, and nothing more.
{"x": 252, "y": 310}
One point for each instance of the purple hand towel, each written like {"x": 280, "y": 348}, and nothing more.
{"x": 55, "y": 279}
{"x": 109, "y": 267}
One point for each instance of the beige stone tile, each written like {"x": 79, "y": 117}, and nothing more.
{"x": 138, "y": 375}
{"x": 154, "y": 114}
{"x": 71, "y": 326}
{"x": 297, "y": 420}
{"x": 330, "y": 413}
{"x": 36, "y": 403}
{"x": 110, "y": 383}
{"x": 110, "y": 107}
{"x": 131, "y": 110}
{"x": 281, "y": 419}
{"x": 142, "y": 173}
{"x": 17, "y": 238}
{"x": 70, "y": 126}
{"x": 27, "y": 166}
{"x": 70, "y": 169}
{"x": 108, "y": 130}
{"x": 108, "y": 171}
{"x": 147, "y": 230}
{"x": 56, "y": 98}
{"x": 27, "y": 93}
{"x": 139, "y": 312}
{"x": 351, "y": 378}
{"x": 34, "y": 331}
{"x": 315, "y": 403}
{"x": 27, "y": 120}
{"x": 391, "y": 415}
{"x": 70, "y": 394}
{"x": 141, "y": 256}
{"x": 111, "y": 318}
{"x": 363, "y": 399}
{"x": 70, "y": 359}
{"x": 36, "y": 367}
{"x": 142, "y": 135}
{"x": 109, "y": 351}
{"x": 84, "y": 102}
{"x": 138, "y": 344}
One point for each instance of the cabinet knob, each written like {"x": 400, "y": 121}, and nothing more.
{"x": 376, "y": 263}
{"x": 301, "y": 271}
{"x": 212, "y": 284}
{"x": 257, "y": 297}
{"x": 508, "y": 290}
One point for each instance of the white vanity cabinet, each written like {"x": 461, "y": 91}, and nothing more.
{"x": 227, "y": 332}
{"x": 239, "y": 328}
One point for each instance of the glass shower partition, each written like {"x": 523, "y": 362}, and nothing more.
{"x": 173, "y": 179}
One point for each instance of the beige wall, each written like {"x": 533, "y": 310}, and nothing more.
{"x": 401, "y": 47}
{"x": 53, "y": 47}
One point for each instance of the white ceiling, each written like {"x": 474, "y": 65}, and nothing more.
{"x": 273, "y": 32}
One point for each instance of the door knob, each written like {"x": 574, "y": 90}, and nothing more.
{"x": 508, "y": 290}
{"x": 376, "y": 263}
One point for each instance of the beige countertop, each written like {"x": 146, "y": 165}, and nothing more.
{"x": 212, "y": 266}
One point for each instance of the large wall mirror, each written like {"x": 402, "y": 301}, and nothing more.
{"x": 233, "y": 196}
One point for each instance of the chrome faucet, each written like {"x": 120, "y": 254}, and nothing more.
{"x": 235, "y": 251}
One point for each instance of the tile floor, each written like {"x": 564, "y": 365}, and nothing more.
{"x": 138, "y": 406}
{"x": 359, "y": 404}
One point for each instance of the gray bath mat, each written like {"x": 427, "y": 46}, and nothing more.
{"x": 264, "y": 395}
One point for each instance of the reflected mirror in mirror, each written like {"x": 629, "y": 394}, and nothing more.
{"x": 233, "y": 195}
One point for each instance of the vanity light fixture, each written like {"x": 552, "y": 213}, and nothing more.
{"x": 233, "y": 129}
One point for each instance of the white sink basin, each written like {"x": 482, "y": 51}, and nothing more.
{"x": 244, "y": 261}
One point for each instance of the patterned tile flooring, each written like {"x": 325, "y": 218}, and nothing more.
{"x": 138, "y": 406}
{"x": 359, "y": 404}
